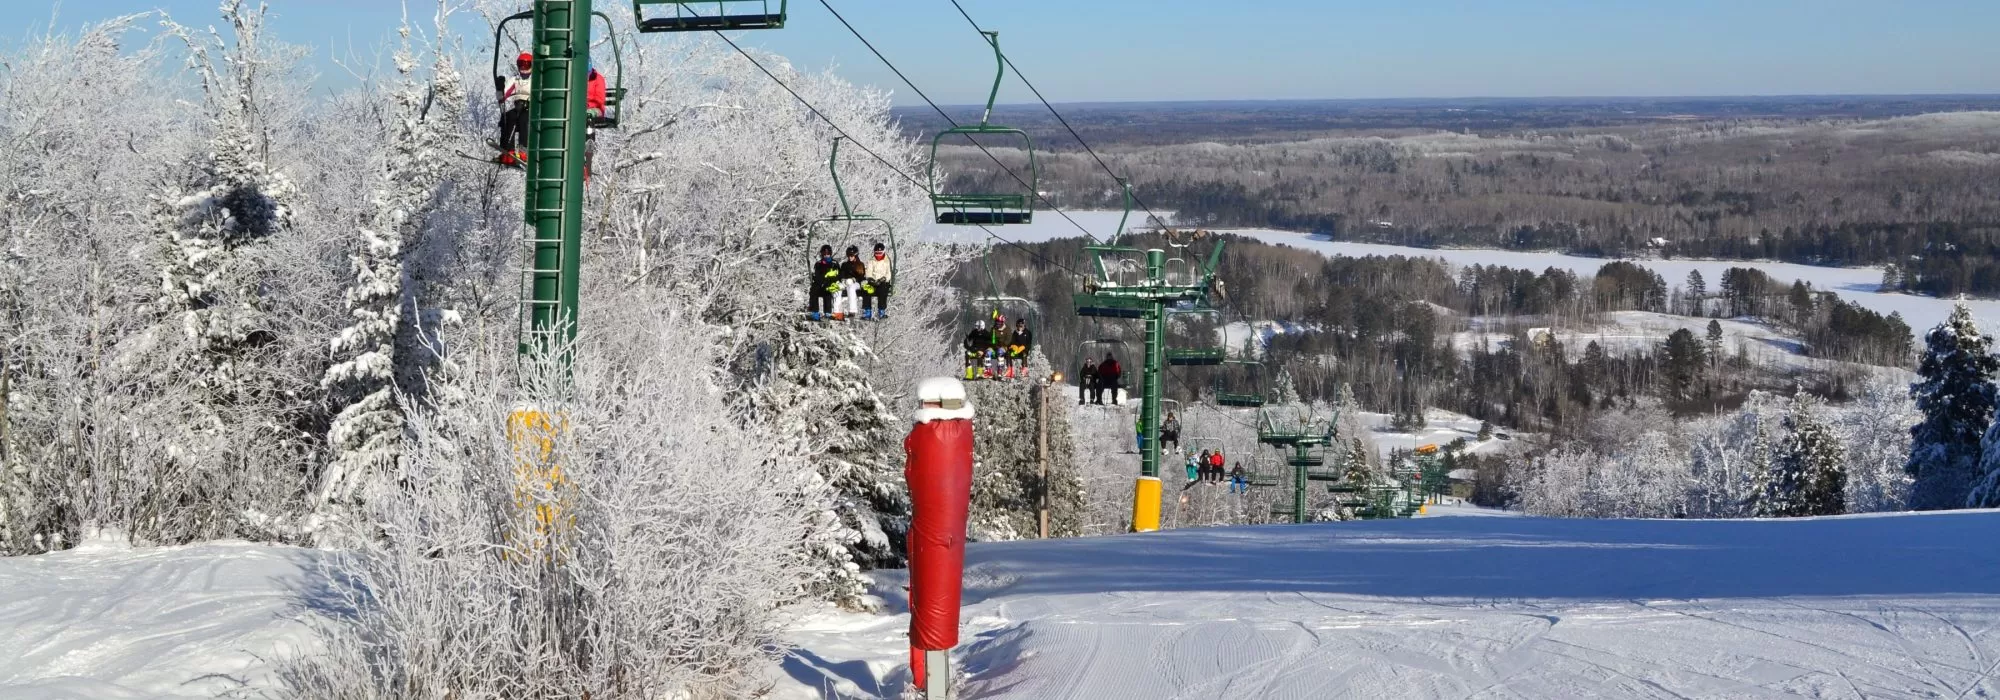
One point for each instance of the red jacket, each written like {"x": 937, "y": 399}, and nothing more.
{"x": 1215, "y": 460}
{"x": 593, "y": 98}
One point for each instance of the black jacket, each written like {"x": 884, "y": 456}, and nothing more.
{"x": 826, "y": 275}
{"x": 978, "y": 341}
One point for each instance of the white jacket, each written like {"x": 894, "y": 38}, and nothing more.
{"x": 517, "y": 90}
{"x": 880, "y": 270}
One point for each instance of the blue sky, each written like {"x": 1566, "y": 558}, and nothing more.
{"x": 1080, "y": 50}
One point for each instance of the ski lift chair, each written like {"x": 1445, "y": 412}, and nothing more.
{"x": 986, "y": 209}
{"x": 709, "y": 15}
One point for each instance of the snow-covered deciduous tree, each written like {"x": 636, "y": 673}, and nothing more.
{"x": 1876, "y": 430}
{"x": 668, "y": 571}
{"x": 376, "y": 348}
{"x": 1956, "y": 395}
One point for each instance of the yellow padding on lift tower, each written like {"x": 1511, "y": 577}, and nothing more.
{"x": 1146, "y": 504}
{"x": 541, "y": 491}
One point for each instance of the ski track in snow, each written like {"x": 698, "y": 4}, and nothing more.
{"x": 1483, "y": 608}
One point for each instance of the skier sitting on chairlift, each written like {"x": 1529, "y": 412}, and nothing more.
{"x": 1086, "y": 380}
{"x": 1193, "y": 471}
{"x": 875, "y": 289}
{"x": 1017, "y": 351}
{"x": 1170, "y": 431}
{"x": 514, "y": 113}
{"x": 824, "y": 284}
{"x": 1215, "y": 462}
{"x": 1108, "y": 374}
{"x": 851, "y": 274}
{"x": 1003, "y": 337}
{"x": 976, "y": 344}
{"x": 1239, "y": 480}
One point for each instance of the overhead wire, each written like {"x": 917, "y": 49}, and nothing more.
{"x": 953, "y": 122}
{"x": 893, "y": 167}
{"x": 1059, "y": 117}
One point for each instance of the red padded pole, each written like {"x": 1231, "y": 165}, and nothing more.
{"x": 939, "y": 471}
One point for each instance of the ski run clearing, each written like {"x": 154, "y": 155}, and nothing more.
{"x": 1901, "y": 606}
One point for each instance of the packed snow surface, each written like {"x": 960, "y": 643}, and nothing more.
{"x": 1464, "y": 607}
{"x": 103, "y": 622}
{"x": 1855, "y": 284}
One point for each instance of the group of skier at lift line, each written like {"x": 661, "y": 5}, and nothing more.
{"x": 514, "y": 95}
{"x": 998, "y": 351}
{"x": 842, "y": 290}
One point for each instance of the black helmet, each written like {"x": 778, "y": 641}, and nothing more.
{"x": 851, "y": 250}
{"x": 878, "y": 247}
{"x": 826, "y": 250}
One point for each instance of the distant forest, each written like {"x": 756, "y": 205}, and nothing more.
{"x": 1384, "y": 327}
{"x": 1825, "y": 182}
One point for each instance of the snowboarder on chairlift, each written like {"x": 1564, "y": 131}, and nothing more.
{"x": 1239, "y": 480}
{"x": 824, "y": 284}
{"x": 1193, "y": 472}
{"x": 595, "y": 97}
{"x": 1198, "y": 470}
{"x": 1215, "y": 464}
{"x": 851, "y": 273}
{"x": 514, "y": 112}
{"x": 1017, "y": 351}
{"x": 1170, "y": 431}
{"x": 875, "y": 288}
{"x": 976, "y": 344}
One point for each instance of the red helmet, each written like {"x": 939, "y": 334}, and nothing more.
{"x": 526, "y": 61}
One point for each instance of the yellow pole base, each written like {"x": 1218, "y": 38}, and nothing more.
{"x": 1146, "y": 504}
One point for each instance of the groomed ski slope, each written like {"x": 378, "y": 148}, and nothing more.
{"x": 106, "y": 622}
{"x": 1467, "y": 607}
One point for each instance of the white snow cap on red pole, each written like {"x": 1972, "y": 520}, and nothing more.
{"x": 943, "y": 398}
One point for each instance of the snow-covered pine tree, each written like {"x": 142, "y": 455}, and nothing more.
{"x": 1007, "y": 480}
{"x": 824, "y": 408}
{"x": 376, "y": 347}
{"x": 1771, "y": 496}
{"x": 1955, "y": 394}
{"x": 1810, "y": 468}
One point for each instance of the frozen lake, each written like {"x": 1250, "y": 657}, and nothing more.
{"x": 1855, "y": 284}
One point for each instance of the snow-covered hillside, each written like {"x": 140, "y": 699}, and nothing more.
{"x": 1863, "y": 607}
{"x": 1856, "y": 284}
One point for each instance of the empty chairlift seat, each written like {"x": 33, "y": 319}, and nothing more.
{"x": 708, "y": 15}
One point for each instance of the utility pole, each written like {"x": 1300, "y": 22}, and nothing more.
{"x": 1041, "y": 417}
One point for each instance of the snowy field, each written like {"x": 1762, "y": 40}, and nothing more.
{"x": 1857, "y": 284}
{"x": 1464, "y": 607}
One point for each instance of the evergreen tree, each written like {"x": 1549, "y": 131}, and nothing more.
{"x": 1007, "y": 477}
{"x": 821, "y": 403}
{"x": 1955, "y": 394}
{"x": 1714, "y": 342}
{"x": 1684, "y": 359}
{"x": 367, "y": 430}
{"x": 1770, "y": 497}
{"x": 1810, "y": 471}
{"x": 1697, "y": 290}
